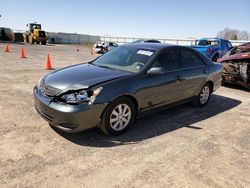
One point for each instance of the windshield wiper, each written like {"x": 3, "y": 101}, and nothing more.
{"x": 104, "y": 66}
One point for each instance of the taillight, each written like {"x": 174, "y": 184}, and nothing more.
{"x": 208, "y": 50}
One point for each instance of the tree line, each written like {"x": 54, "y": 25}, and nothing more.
{"x": 233, "y": 34}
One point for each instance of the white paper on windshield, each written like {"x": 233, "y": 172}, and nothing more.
{"x": 144, "y": 52}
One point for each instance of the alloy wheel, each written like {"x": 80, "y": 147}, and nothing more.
{"x": 204, "y": 95}
{"x": 120, "y": 117}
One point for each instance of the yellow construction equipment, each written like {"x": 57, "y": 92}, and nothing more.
{"x": 35, "y": 34}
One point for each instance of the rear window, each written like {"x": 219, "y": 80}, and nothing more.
{"x": 190, "y": 59}
{"x": 207, "y": 42}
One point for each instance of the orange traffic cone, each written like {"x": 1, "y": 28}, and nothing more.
{"x": 22, "y": 53}
{"x": 47, "y": 65}
{"x": 77, "y": 49}
{"x": 6, "y": 48}
{"x": 91, "y": 51}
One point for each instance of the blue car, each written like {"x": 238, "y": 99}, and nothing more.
{"x": 213, "y": 48}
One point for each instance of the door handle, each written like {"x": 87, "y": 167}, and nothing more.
{"x": 205, "y": 71}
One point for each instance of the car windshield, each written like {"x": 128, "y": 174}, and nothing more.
{"x": 35, "y": 26}
{"x": 207, "y": 42}
{"x": 125, "y": 58}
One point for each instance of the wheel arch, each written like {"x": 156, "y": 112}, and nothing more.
{"x": 130, "y": 97}
{"x": 216, "y": 54}
{"x": 102, "y": 122}
{"x": 211, "y": 84}
{"x": 133, "y": 99}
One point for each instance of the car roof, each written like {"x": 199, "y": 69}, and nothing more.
{"x": 147, "y": 40}
{"x": 153, "y": 46}
{"x": 210, "y": 39}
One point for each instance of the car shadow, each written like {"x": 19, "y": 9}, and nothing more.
{"x": 234, "y": 86}
{"x": 155, "y": 124}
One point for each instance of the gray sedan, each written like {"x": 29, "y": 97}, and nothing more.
{"x": 111, "y": 91}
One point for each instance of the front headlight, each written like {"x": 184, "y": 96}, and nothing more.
{"x": 40, "y": 82}
{"x": 81, "y": 96}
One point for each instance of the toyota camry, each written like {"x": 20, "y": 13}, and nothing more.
{"x": 112, "y": 90}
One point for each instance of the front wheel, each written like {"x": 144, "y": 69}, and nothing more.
{"x": 204, "y": 96}
{"x": 31, "y": 40}
{"x": 118, "y": 117}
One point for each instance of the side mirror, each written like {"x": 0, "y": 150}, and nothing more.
{"x": 155, "y": 71}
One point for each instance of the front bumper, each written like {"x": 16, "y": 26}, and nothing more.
{"x": 217, "y": 84}
{"x": 41, "y": 39}
{"x": 69, "y": 118}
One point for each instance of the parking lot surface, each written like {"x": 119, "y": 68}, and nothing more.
{"x": 180, "y": 147}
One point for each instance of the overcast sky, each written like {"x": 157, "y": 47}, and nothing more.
{"x": 129, "y": 18}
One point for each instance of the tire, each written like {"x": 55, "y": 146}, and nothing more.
{"x": 25, "y": 38}
{"x": 37, "y": 42}
{"x": 31, "y": 40}
{"x": 43, "y": 42}
{"x": 202, "y": 99}
{"x": 215, "y": 58}
{"x": 119, "y": 111}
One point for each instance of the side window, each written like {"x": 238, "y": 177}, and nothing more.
{"x": 190, "y": 59}
{"x": 223, "y": 45}
{"x": 168, "y": 60}
{"x": 229, "y": 45}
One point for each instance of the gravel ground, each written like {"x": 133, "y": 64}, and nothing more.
{"x": 178, "y": 147}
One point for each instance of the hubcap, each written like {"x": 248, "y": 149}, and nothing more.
{"x": 204, "y": 95}
{"x": 120, "y": 117}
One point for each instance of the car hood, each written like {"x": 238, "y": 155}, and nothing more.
{"x": 238, "y": 56}
{"x": 81, "y": 76}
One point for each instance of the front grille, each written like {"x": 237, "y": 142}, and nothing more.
{"x": 41, "y": 34}
{"x": 48, "y": 91}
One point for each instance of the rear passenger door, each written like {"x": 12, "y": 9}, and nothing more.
{"x": 193, "y": 73}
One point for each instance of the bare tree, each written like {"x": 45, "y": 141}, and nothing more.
{"x": 233, "y": 34}
{"x": 223, "y": 33}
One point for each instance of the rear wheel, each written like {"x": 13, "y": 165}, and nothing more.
{"x": 43, "y": 42}
{"x": 215, "y": 58}
{"x": 202, "y": 99}
{"x": 118, "y": 117}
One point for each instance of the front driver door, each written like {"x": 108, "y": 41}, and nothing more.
{"x": 162, "y": 89}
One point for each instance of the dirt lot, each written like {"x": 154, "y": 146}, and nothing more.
{"x": 179, "y": 147}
